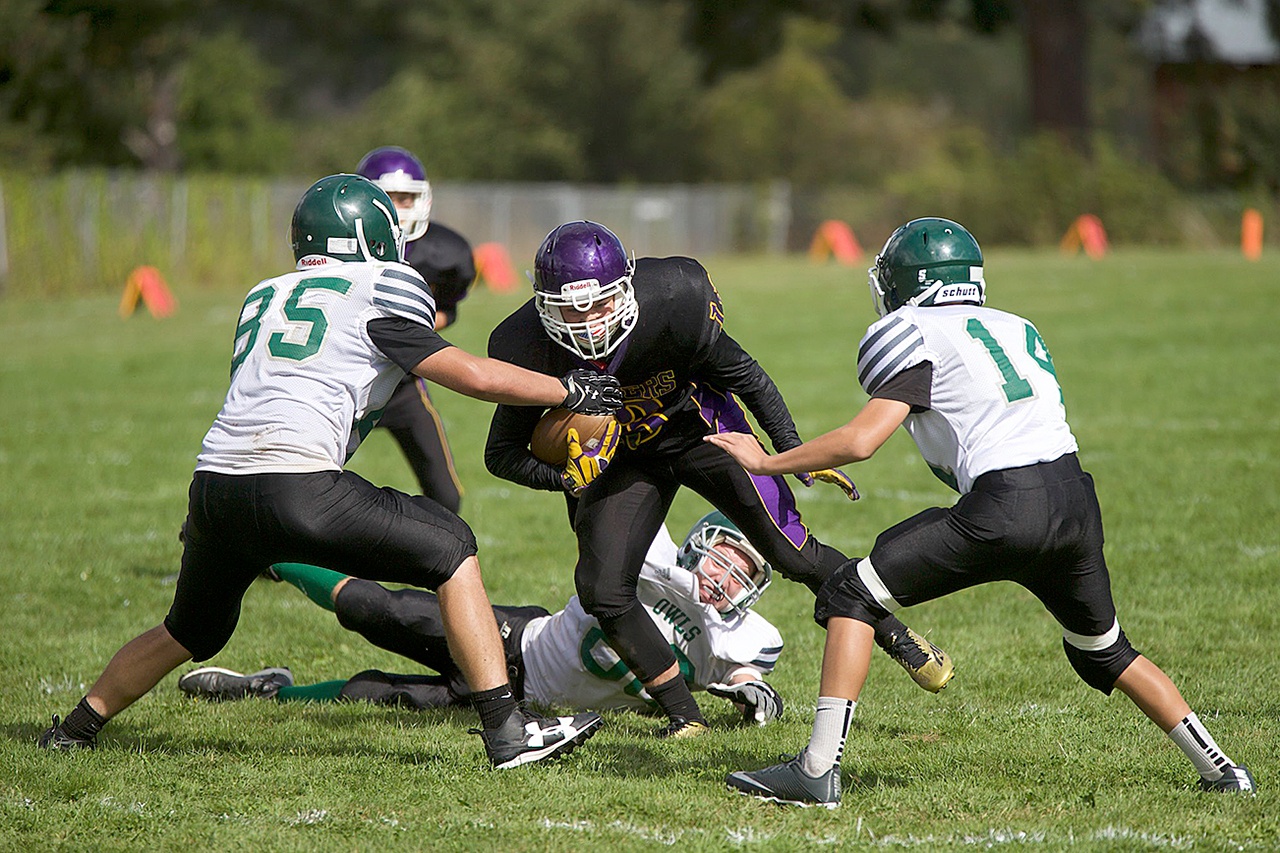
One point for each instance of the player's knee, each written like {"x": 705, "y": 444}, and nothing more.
{"x": 603, "y": 598}
{"x": 1099, "y": 661}
{"x": 845, "y": 593}
{"x": 204, "y": 640}
{"x": 362, "y": 604}
{"x": 642, "y": 648}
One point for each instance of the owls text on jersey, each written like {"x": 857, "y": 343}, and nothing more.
{"x": 307, "y": 382}
{"x": 995, "y": 399}
{"x": 568, "y": 662}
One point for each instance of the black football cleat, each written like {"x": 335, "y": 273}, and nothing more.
{"x": 526, "y": 737}
{"x": 56, "y": 738}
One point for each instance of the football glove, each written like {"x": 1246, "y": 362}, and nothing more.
{"x": 761, "y": 703}
{"x": 591, "y": 393}
{"x": 834, "y": 476}
{"x": 583, "y": 466}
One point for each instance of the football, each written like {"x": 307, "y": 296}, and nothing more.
{"x": 550, "y": 437}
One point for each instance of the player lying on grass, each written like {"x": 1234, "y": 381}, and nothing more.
{"x": 977, "y": 390}
{"x": 317, "y": 352}
{"x": 699, "y": 596}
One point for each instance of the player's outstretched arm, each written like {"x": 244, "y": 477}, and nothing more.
{"x": 501, "y": 382}
{"x": 856, "y": 441}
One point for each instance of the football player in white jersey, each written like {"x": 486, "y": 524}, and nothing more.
{"x": 316, "y": 355}
{"x": 976, "y": 389}
{"x": 698, "y": 595}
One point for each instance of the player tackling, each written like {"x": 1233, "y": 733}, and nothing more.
{"x": 977, "y": 390}
{"x": 317, "y": 353}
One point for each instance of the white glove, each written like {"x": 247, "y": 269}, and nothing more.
{"x": 761, "y": 703}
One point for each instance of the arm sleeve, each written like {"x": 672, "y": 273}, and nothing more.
{"x": 403, "y": 341}
{"x": 507, "y": 454}
{"x": 912, "y": 386}
{"x": 729, "y": 367}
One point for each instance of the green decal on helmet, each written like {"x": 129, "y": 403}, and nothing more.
{"x": 345, "y": 218}
{"x": 735, "y": 588}
{"x": 929, "y": 261}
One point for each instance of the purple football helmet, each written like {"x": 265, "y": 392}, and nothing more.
{"x": 395, "y": 170}
{"x": 577, "y": 266}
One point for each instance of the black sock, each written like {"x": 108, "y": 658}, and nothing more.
{"x": 888, "y": 630}
{"x": 83, "y": 722}
{"x": 676, "y": 700}
{"x": 494, "y": 706}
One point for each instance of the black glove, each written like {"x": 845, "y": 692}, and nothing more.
{"x": 591, "y": 393}
{"x": 761, "y": 702}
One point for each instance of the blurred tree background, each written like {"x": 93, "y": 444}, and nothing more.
{"x": 1001, "y": 112}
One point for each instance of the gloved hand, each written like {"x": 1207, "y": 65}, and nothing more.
{"x": 591, "y": 393}
{"x": 583, "y": 466}
{"x": 834, "y": 476}
{"x": 761, "y": 703}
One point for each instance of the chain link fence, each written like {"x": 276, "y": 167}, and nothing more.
{"x": 82, "y": 232}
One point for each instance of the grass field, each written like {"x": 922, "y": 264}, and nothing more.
{"x": 1168, "y": 364}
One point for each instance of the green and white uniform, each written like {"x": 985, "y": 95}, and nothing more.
{"x": 567, "y": 661}
{"x": 308, "y": 381}
{"x": 994, "y": 401}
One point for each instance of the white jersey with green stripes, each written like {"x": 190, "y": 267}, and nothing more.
{"x": 995, "y": 398}
{"x": 307, "y": 383}
{"x": 569, "y": 663}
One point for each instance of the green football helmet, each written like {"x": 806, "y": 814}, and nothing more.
{"x": 345, "y": 218}
{"x": 928, "y": 261}
{"x": 698, "y": 549}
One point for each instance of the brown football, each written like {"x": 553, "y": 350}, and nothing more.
{"x": 550, "y": 437}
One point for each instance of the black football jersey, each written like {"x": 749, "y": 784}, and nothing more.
{"x": 680, "y": 374}
{"x": 444, "y": 258}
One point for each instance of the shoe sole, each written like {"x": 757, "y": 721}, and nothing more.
{"x": 555, "y": 750}
{"x": 773, "y": 798}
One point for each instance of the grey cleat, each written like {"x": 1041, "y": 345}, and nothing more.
{"x": 218, "y": 684}
{"x": 788, "y": 784}
{"x": 1235, "y": 777}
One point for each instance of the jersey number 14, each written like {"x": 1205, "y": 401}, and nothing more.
{"x": 1015, "y": 387}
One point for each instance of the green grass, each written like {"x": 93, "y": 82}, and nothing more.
{"x": 1168, "y": 362}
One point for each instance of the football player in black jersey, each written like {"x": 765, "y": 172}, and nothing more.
{"x": 657, "y": 324}
{"x": 444, "y": 258}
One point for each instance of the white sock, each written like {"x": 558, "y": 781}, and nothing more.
{"x": 830, "y": 728}
{"x": 1194, "y": 739}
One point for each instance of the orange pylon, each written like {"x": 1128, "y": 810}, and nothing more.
{"x": 146, "y": 284}
{"x": 1251, "y": 234}
{"x": 493, "y": 267}
{"x": 835, "y": 238}
{"x": 1087, "y": 232}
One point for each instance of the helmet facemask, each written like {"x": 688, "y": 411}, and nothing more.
{"x": 595, "y": 338}
{"x": 723, "y": 582}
